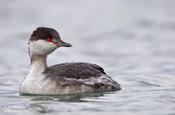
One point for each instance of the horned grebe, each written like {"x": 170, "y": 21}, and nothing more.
{"x": 65, "y": 78}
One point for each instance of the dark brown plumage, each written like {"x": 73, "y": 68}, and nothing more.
{"x": 76, "y": 70}
{"x": 79, "y": 71}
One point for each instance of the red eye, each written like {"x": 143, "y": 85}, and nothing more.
{"x": 49, "y": 40}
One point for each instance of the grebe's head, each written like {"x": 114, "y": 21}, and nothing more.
{"x": 44, "y": 41}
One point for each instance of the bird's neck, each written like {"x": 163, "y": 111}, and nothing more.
{"x": 38, "y": 63}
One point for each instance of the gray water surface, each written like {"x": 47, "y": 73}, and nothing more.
{"x": 133, "y": 40}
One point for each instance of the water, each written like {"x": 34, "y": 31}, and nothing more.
{"x": 133, "y": 41}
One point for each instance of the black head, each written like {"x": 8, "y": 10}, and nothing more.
{"x": 49, "y": 35}
{"x": 44, "y": 41}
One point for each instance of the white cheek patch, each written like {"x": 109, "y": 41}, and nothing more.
{"x": 41, "y": 47}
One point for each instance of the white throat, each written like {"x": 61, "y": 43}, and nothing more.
{"x": 38, "y": 64}
{"x": 41, "y": 47}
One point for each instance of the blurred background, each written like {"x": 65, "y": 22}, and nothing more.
{"x": 133, "y": 40}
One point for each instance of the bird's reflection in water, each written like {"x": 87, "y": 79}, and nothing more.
{"x": 41, "y": 104}
{"x": 66, "y": 98}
